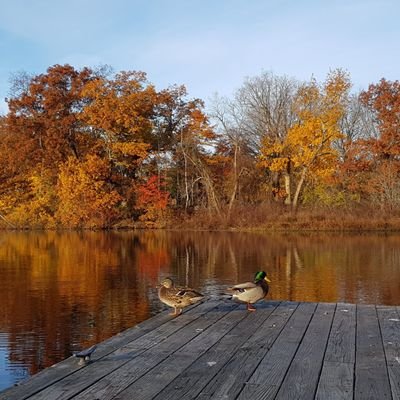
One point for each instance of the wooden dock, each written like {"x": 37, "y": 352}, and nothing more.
{"x": 218, "y": 350}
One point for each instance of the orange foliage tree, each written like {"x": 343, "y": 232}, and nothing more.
{"x": 383, "y": 99}
{"x": 120, "y": 113}
{"x": 43, "y": 115}
{"x": 42, "y": 131}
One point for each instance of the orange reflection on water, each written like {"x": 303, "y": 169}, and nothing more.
{"x": 62, "y": 292}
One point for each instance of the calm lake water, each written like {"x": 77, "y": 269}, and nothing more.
{"x": 62, "y": 292}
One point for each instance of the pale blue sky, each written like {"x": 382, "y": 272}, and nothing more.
{"x": 208, "y": 45}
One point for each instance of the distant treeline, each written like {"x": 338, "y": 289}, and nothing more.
{"x": 90, "y": 148}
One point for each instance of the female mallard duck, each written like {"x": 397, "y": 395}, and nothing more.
{"x": 251, "y": 292}
{"x": 175, "y": 297}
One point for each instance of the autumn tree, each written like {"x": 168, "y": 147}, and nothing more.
{"x": 195, "y": 137}
{"x": 261, "y": 111}
{"x": 119, "y": 113}
{"x": 67, "y": 113}
{"x": 307, "y": 151}
{"x": 6, "y": 174}
{"x": 383, "y": 99}
{"x": 88, "y": 197}
{"x": 153, "y": 200}
{"x": 142, "y": 131}
{"x": 44, "y": 115}
{"x": 173, "y": 116}
{"x": 355, "y": 163}
{"x": 183, "y": 133}
{"x": 42, "y": 132}
{"x": 357, "y": 125}
{"x": 233, "y": 155}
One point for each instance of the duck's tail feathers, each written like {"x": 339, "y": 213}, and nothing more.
{"x": 221, "y": 296}
{"x": 196, "y": 299}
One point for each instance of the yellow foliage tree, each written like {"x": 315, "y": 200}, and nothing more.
{"x": 86, "y": 199}
{"x": 36, "y": 208}
{"x": 307, "y": 150}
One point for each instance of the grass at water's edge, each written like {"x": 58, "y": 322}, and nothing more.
{"x": 301, "y": 221}
{"x": 266, "y": 219}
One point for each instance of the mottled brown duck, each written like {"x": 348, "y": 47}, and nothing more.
{"x": 177, "y": 297}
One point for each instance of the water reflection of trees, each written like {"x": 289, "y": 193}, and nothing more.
{"x": 61, "y": 291}
{"x": 323, "y": 267}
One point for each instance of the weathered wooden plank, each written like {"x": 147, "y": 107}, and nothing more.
{"x": 121, "y": 378}
{"x": 217, "y": 351}
{"x": 394, "y": 373}
{"x": 51, "y": 375}
{"x": 337, "y": 376}
{"x": 232, "y": 377}
{"x": 389, "y": 321}
{"x": 336, "y": 382}
{"x": 302, "y": 378}
{"x": 268, "y": 376}
{"x": 192, "y": 380}
{"x": 73, "y": 384}
{"x": 341, "y": 343}
{"x": 371, "y": 375}
{"x": 159, "y": 377}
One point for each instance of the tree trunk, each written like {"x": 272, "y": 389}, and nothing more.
{"x": 185, "y": 174}
{"x": 288, "y": 198}
{"x": 235, "y": 183}
{"x": 298, "y": 189}
{"x": 212, "y": 197}
{"x": 6, "y": 221}
{"x": 208, "y": 183}
{"x": 275, "y": 185}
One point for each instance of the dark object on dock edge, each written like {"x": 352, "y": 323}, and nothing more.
{"x": 84, "y": 355}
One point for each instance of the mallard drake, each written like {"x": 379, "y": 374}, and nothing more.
{"x": 251, "y": 292}
{"x": 177, "y": 297}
